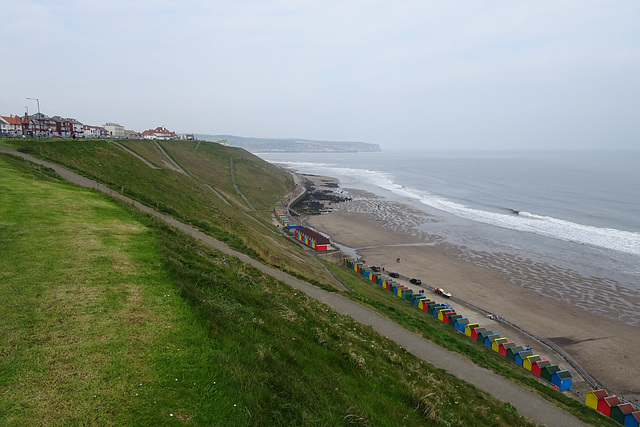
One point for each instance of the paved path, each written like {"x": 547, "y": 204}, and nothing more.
{"x": 524, "y": 400}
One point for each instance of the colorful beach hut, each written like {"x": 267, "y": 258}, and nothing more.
{"x": 547, "y": 371}
{"x": 442, "y": 312}
{"x": 417, "y": 300}
{"x": 504, "y": 346}
{"x": 484, "y": 334}
{"x": 461, "y": 324}
{"x": 528, "y": 361}
{"x": 495, "y": 346}
{"x": 476, "y": 331}
{"x": 536, "y": 367}
{"x": 593, "y": 398}
{"x": 512, "y": 351}
{"x": 605, "y": 405}
{"x": 489, "y": 339}
{"x": 452, "y": 319}
{"x": 632, "y": 419}
{"x": 520, "y": 356}
{"x": 469, "y": 327}
{"x": 562, "y": 380}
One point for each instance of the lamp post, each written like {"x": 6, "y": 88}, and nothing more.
{"x": 39, "y": 118}
{"x": 38, "y": 101}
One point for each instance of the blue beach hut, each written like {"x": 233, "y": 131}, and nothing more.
{"x": 460, "y": 324}
{"x": 520, "y": 356}
{"x": 562, "y": 380}
{"x": 488, "y": 339}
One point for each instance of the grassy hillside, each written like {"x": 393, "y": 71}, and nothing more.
{"x": 111, "y": 318}
{"x": 187, "y": 197}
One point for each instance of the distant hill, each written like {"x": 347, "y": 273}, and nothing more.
{"x": 291, "y": 145}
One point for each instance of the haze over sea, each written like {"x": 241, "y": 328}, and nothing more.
{"x": 575, "y": 213}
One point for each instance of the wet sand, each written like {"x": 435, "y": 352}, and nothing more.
{"x": 605, "y": 348}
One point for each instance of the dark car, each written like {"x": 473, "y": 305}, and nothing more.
{"x": 375, "y": 268}
{"x": 415, "y": 281}
{"x": 392, "y": 274}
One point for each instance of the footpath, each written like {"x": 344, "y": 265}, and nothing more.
{"x": 524, "y": 400}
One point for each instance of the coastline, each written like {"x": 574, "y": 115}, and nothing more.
{"x": 605, "y": 348}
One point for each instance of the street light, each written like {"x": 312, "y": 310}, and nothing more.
{"x": 38, "y": 101}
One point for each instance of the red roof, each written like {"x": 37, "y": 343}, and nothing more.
{"x": 12, "y": 120}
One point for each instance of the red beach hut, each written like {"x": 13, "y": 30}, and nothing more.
{"x": 536, "y": 368}
{"x": 605, "y": 405}
{"x": 528, "y": 361}
{"x": 476, "y": 331}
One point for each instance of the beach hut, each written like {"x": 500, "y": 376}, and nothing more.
{"x": 504, "y": 346}
{"x": 495, "y": 346}
{"x": 452, "y": 318}
{"x": 407, "y": 294}
{"x": 536, "y": 367}
{"x": 520, "y": 356}
{"x": 528, "y": 361}
{"x": 435, "y": 308}
{"x": 445, "y": 315}
{"x": 469, "y": 327}
{"x": 562, "y": 380}
{"x": 547, "y": 371}
{"x": 476, "y": 331}
{"x": 484, "y": 334}
{"x": 632, "y": 419}
{"x": 461, "y": 324}
{"x": 430, "y": 306}
{"x": 512, "y": 351}
{"x": 417, "y": 300}
{"x": 488, "y": 340}
{"x": 593, "y": 398}
{"x": 423, "y": 304}
{"x": 605, "y": 405}
{"x": 442, "y": 312}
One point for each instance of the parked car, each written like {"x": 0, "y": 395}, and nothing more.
{"x": 393, "y": 274}
{"x": 415, "y": 281}
{"x": 375, "y": 268}
{"x": 442, "y": 292}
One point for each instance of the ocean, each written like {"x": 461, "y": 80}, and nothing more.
{"x": 573, "y": 216}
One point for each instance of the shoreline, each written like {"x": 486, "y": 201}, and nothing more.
{"x": 605, "y": 348}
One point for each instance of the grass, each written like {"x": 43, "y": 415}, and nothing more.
{"x": 112, "y": 318}
{"x": 406, "y": 314}
{"x": 187, "y": 198}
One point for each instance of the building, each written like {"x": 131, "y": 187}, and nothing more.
{"x": 160, "y": 132}
{"x": 12, "y": 125}
{"x": 115, "y": 130}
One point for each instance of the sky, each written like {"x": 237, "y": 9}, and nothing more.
{"x": 547, "y": 74}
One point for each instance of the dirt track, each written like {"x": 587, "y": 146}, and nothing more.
{"x": 524, "y": 400}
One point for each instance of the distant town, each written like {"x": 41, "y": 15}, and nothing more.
{"x": 40, "y": 125}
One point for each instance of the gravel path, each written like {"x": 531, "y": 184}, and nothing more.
{"x": 524, "y": 400}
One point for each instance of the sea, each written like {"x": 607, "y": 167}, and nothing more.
{"x": 571, "y": 216}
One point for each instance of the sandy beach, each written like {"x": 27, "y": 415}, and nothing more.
{"x": 605, "y": 348}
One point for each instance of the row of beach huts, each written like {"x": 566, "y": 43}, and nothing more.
{"x": 611, "y": 406}
{"x": 559, "y": 378}
{"x": 309, "y": 237}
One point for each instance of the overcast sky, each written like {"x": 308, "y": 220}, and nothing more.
{"x": 403, "y": 74}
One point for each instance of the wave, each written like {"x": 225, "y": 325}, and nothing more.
{"x": 607, "y": 238}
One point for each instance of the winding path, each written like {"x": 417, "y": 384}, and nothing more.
{"x": 524, "y": 400}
